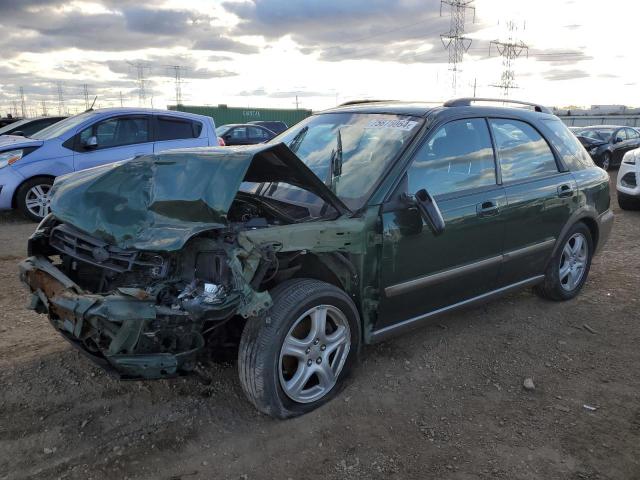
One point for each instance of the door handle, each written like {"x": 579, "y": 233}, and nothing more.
{"x": 565, "y": 191}
{"x": 487, "y": 209}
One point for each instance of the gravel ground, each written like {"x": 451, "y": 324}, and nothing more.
{"x": 446, "y": 402}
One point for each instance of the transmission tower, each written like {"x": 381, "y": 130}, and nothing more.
{"x": 142, "y": 80}
{"x": 509, "y": 51}
{"x": 23, "y": 106}
{"x": 43, "y": 104}
{"x": 14, "y": 104}
{"x": 85, "y": 93}
{"x": 454, "y": 40}
{"x": 177, "y": 72}
{"x": 61, "y": 105}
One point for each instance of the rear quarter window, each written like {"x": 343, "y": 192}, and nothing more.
{"x": 574, "y": 156}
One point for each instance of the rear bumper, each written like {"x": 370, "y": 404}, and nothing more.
{"x": 120, "y": 319}
{"x": 605, "y": 224}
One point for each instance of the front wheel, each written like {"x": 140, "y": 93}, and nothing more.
{"x": 569, "y": 266}
{"x": 32, "y": 198}
{"x": 295, "y": 358}
{"x": 606, "y": 161}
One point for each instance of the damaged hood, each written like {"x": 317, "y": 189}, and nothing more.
{"x": 157, "y": 202}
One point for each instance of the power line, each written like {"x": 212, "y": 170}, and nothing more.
{"x": 509, "y": 51}
{"x": 177, "y": 72}
{"x": 85, "y": 92}
{"x": 23, "y": 106}
{"x": 141, "y": 79}
{"x": 61, "y": 105}
{"x": 454, "y": 40}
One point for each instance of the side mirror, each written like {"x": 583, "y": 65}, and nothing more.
{"x": 91, "y": 143}
{"x": 429, "y": 211}
{"x": 618, "y": 140}
{"x": 18, "y": 133}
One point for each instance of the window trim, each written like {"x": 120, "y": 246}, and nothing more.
{"x": 560, "y": 167}
{"x": 467, "y": 191}
{"x": 77, "y": 146}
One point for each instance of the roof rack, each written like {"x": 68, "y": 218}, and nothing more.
{"x": 467, "y": 101}
{"x": 356, "y": 102}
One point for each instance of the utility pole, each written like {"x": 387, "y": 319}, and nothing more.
{"x": 85, "y": 92}
{"x": 61, "y": 105}
{"x": 454, "y": 40}
{"x": 177, "y": 72}
{"x": 509, "y": 51}
{"x": 23, "y": 107}
{"x": 297, "y": 103}
{"x": 121, "y": 102}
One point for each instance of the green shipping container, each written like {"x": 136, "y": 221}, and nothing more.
{"x": 223, "y": 115}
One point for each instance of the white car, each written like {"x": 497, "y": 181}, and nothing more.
{"x": 628, "y": 183}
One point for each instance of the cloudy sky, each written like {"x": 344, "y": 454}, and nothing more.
{"x": 264, "y": 53}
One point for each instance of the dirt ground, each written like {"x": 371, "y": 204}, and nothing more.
{"x": 446, "y": 402}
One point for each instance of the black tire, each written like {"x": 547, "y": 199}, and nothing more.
{"x": 23, "y": 191}
{"x": 628, "y": 202}
{"x": 551, "y": 288}
{"x": 605, "y": 163}
{"x": 262, "y": 339}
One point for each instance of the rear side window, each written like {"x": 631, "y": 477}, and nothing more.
{"x": 522, "y": 151}
{"x": 176, "y": 129}
{"x": 632, "y": 134}
{"x": 458, "y": 156}
{"x": 566, "y": 143}
{"x": 258, "y": 134}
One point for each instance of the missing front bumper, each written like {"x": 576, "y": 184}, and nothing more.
{"x": 111, "y": 329}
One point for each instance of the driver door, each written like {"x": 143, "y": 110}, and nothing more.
{"x": 421, "y": 272}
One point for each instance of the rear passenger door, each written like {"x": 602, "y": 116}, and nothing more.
{"x": 539, "y": 198}
{"x": 258, "y": 135}
{"x": 175, "y": 132}
{"x": 422, "y": 272}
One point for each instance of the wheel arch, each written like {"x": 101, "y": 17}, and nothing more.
{"x": 586, "y": 216}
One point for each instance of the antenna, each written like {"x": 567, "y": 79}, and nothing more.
{"x": 454, "y": 40}
{"x": 509, "y": 51}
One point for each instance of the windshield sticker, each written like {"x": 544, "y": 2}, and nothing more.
{"x": 397, "y": 124}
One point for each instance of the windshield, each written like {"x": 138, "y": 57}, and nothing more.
{"x": 220, "y": 131}
{"x": 62, "y": 126}
{"x": 13, "y": 125}
{"x": 601, "y": 134}
{"x": 348, "y": 151}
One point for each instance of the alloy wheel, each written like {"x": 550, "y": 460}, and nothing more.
{"x": 313, "y": 353}
{"x": 38, "y": 200}
{"x": 573, "y": 261}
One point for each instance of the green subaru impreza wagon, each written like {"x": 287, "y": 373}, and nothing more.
{"x": 358, "y": 223}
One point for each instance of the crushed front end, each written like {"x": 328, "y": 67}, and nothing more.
{"x": 140, "y": 314}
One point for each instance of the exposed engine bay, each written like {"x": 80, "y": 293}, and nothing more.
{"x": 194, "y": 292}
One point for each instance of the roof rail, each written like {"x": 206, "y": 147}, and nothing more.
{"x": 356, "y": 102}
{"x": 467, "y": 101}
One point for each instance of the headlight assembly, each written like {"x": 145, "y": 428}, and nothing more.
{"x": 630, "y": 158}
{"x": 11, "y": 157}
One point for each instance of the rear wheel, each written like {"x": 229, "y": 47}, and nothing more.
{"x": 32, "y": 198}
{"x": 569, "y": 267}
{"x": 296, "y": 357}
{"x": 628, "y": 202}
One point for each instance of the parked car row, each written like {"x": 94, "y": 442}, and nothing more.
{"x": 607, "y": 144}
{"x": 359, "y": 223}
{"x": 28, "y": 126}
